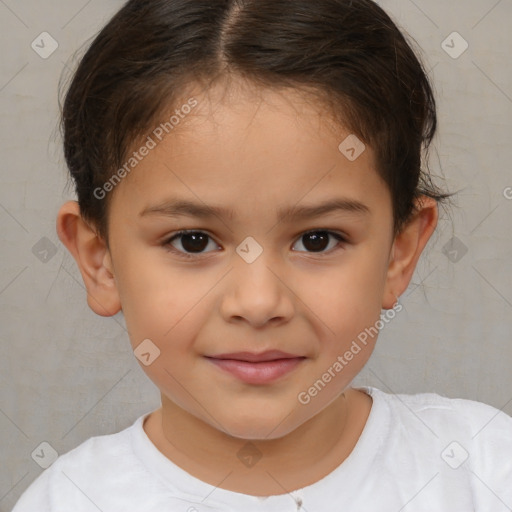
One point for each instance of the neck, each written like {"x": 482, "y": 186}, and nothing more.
{"x": 261, "y": 467}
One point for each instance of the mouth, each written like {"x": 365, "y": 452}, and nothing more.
{"x": 254, "y": 368}
{"x": 251, "y": 357}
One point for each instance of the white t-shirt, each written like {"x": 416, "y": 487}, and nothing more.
{"x": 421, "y": 453}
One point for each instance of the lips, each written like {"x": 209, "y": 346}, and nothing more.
{"x": 252, "y": 357}
{"x": 257, "y": 369}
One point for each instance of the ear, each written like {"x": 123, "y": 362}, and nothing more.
{"x": 407, "y": 248}
{"x": 92, "y": 257}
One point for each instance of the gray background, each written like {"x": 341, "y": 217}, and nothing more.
{"x": 67, "y": 374}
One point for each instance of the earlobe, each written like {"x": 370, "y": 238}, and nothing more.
{"x": 92, "y": 257}
{"x": 407, "y": 248}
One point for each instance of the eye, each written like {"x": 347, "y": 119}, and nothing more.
{"x": 316, "y": 241}
{"x": 192, "y": 242}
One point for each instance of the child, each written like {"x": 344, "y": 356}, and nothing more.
{"x": 284, "y": 138}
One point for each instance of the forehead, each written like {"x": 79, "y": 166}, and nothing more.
{"x": 247, "y": 146}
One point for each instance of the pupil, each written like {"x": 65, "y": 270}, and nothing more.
{"x": 197, "y": 242}
{"x": 194, "y": 241}
{"x": 318, "y": 241}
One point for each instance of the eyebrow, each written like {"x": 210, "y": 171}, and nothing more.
{"x": 179, "y": 207}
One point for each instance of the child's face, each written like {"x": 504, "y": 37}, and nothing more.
{"x": 253, "y": 158}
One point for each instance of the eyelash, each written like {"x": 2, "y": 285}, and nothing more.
{"x": 168, "y": 247}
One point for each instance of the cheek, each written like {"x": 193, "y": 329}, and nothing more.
{"x": 347, "y": 298}
{"x": 155, "y": 299}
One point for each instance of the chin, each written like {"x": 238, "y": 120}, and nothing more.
{"x": 258, "y": 429}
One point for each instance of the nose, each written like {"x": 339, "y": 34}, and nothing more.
{"x": 257, "y": 293}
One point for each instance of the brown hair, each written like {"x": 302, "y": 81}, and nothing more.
{"x": 349, "y": 52}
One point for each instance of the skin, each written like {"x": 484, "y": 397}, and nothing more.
{"x": 252, "y": 150}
